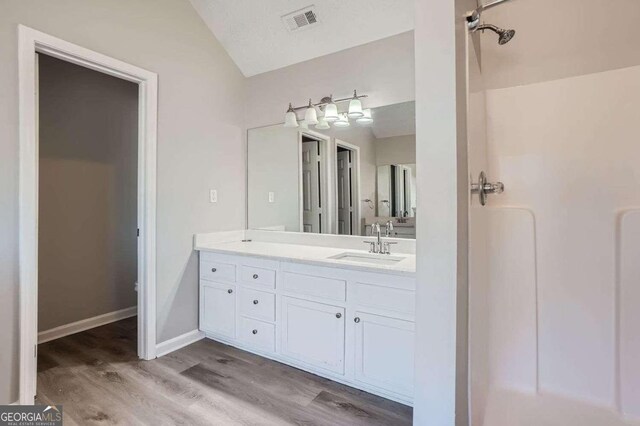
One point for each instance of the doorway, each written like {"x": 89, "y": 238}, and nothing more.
{"x": 313, "y": 184}
{"x": 31, "y": 44}
{"x": 347, "y": 189}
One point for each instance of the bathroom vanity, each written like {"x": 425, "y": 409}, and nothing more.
{"x": 320, "y": 303}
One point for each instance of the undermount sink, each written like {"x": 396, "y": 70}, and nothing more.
{"x": 378, "y": 259}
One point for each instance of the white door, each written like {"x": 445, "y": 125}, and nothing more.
{"x": 313, "y": 333}
{"x": 218, "y": 308}
{"x": 344, "y": 192}
{"x": 311, "y": 199}
{"x": 384, "y": 352}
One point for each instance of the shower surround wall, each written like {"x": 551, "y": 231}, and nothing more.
{"x": 555, "y": 329}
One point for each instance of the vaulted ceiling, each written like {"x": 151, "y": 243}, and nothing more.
{"x": 258, "y": 40}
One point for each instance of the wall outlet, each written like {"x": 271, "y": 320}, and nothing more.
{"x": 213, "y": 196}
{"x": 272, "y": 197}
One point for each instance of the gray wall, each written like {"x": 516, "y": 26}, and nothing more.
{"x": 88, "y": 193}
{"x": 200, "y": 140}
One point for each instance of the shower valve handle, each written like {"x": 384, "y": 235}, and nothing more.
{"x": 484, "y": 188}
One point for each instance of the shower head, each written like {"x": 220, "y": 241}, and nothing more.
{"x": 473, "y": 22}
{"x": 504, "y": 36}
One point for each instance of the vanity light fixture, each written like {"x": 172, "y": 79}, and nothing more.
{"x": 310, "y": 116}
{"x": 322, "y": 124}
{"x": 342, "y": 121}
{"x": 355, "y": 106}
{"x": 366, "y": 117}
{"x": 328, "y": 106}
{"x": 290, "y": 118}
{"x": 331, "y": 111}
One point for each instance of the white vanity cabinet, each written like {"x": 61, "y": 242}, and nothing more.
{"x": 352, "y": 326}
{"x": 313, "y": 333}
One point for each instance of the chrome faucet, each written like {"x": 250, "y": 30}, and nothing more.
{"x": 388, "y": 228}
{"x": 379, "y": 246}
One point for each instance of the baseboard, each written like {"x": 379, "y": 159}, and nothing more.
{"x": 178, "y": 342}
{"x": 86, "y": 324}
{"x": 15, "y": 403}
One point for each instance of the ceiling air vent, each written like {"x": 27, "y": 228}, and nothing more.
{"x": 300, "y": 19}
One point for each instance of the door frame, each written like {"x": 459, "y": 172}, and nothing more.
{"x": 31, "y": 42}
{"x": 324, "y": 142}
{"x": 355, "y": 183}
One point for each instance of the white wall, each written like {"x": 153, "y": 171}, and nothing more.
{"x": 557, "y": 39}
{"x": 441, "y": 298}
{"x": 200, "y": 140}
{"x": 396, "y": 150}
{"x": 383, "y": 69}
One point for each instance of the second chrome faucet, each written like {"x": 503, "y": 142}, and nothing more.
{"x": 379, "y": 246}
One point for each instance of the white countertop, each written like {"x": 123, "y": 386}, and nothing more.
{"x": 311, "y": 254}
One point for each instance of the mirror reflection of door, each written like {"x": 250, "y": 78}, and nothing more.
{"x": 311, "y": 184}
{"x": 396, "y": 190}
{"x": 345, "y": 191}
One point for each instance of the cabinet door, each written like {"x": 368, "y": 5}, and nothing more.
{"x": 218, "y": 307}
{"x": 384, "y": 352}
{"x": 313, "y": 333}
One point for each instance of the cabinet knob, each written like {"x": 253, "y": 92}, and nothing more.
{"x": 255, "y": 331}
{"x": 356, "y": 320}
{"x": 338, "y": 315}
{"x": 255, "y": 276}
{"x": 213, "y": 269}
{"x": 230, "y": 291}
{"x": 255, "y": 302}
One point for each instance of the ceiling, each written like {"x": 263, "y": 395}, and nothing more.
{"x": 394, "y": 120}
{"x": 257, "y": 39}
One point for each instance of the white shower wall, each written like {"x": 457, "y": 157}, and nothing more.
{"x": 555, "y": 327}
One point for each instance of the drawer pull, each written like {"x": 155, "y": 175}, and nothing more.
{"x": 338, "y": 315}
{"x": 255, "y": 302}
{"x": 255, "y": 331}
{"x": 255, "y": 276}
{"x": 213, "y": 269}
{"x": 230, "y": 291}
{"x": 356, "y": 320}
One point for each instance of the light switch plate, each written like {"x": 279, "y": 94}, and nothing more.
{"x": 272, "y": 197}
{"x": 213, "y": 196}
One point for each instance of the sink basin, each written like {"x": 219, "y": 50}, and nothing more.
{"x": 377, "y": 259}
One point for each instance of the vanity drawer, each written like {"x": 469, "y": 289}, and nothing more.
{"x": 326, "y": 288}
{"x": 258, "y": 304}
{"x": 217, "y": 271}
{"x": 383, "y": 297}
{"x": 257, "y": 334}
{"x": 258, "y": 276}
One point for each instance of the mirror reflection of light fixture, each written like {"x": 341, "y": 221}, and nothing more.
{"x": 355, "y": 107}
{"x": 290, "y": 118}
{"x": 331, "y": 112}
{"x": 322, "y": 124}
{"x": 366, "y": 117}
{"x": 342, "y": 121}
{"x": 310, "y": 116}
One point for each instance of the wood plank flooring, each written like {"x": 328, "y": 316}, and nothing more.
{"x": 99, "y": 380}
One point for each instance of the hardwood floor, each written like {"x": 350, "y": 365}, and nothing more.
{"x": 99, "y": 380}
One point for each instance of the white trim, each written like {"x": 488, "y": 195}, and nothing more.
{"x": 15, "y": 403}
{"x": 178, "y": 342}
{"x": 86, "y": 324}
{"x": 29, "y": 42}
